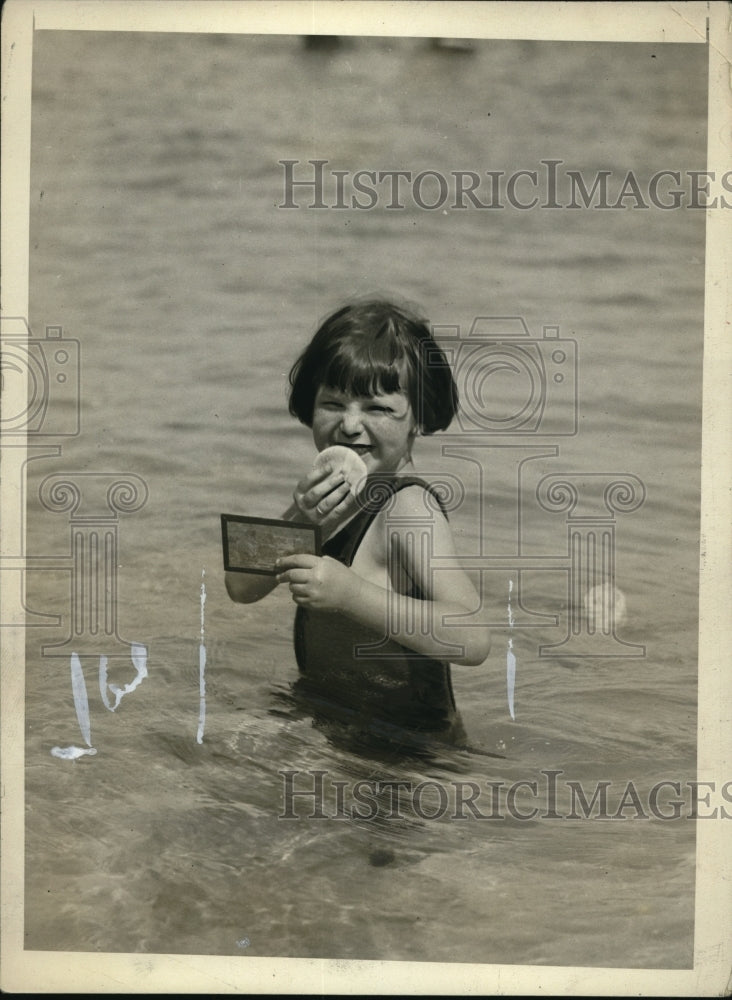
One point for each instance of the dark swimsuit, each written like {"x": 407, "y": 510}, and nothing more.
{"x": 391, "y": 684}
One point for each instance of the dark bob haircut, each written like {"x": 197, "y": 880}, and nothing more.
{"x": 374, "y": 347}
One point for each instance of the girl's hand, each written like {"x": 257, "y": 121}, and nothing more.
{"x": 323, "y": 496}
{"x": 319, "y": 582}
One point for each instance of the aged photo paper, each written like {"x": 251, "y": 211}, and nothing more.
{"x": 189, "y": 188}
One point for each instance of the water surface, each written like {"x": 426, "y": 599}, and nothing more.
{"x": 156, "y": 242}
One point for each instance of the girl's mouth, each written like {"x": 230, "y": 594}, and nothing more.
{"x": 360, "y": 449}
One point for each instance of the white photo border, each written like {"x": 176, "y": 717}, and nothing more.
{"x": 692, "y": 22}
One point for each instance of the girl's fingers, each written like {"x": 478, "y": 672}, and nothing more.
{"x": 342, "y": 504}
{"x": 317, "y": 475}
{"x": 315, "y": 496}
{"x": 310, "y": 491}
{"x": 320, "y": 480}
{"x": 300, "y": 593}
{"x": 320, "y": 501}
{"x": 333, "y": 499}
{"x": 288, "y": 566}
{"x": 307, "y": 482}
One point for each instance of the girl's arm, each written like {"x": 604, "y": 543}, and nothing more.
{"x": 321, "y": 498}
{"x": 246, "y": 588}
{"x": 421, "y": 625}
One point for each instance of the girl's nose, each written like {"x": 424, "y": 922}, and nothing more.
{"x": 351, "y": 423}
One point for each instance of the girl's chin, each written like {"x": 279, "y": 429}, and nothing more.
{"x": 374, "y": 466}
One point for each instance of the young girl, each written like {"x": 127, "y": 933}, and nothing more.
{"x": 375, "y": 626}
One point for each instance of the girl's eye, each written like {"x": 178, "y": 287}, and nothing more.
{"x": 375, "y": 408}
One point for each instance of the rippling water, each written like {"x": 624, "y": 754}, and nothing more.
{"x": 157, "y": 244}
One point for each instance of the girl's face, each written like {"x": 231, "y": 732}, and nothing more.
{"x": 380, "y": 428}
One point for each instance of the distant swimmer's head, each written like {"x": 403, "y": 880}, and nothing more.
{"x": 375, "y": 348}
{"x": 605, "y": 607}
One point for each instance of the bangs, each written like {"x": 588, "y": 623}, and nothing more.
{"x": 360, "y": 367}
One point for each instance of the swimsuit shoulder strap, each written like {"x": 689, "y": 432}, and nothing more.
{"x": 379, "y": 489}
